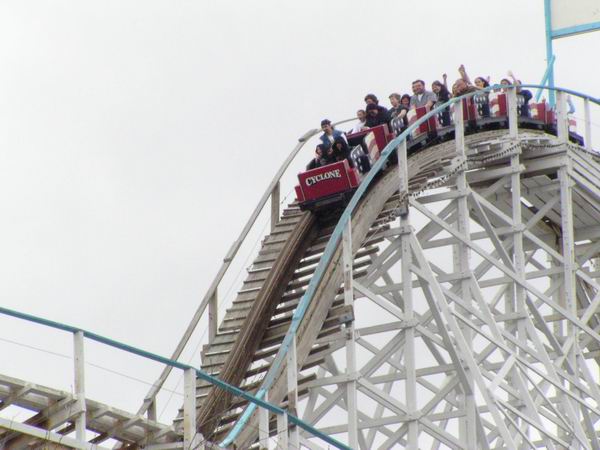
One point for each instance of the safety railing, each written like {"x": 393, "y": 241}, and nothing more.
{"x": 398, "y": 144}
{"x": 191, "y": 438}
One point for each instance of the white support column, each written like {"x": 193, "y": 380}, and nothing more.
{"x": 403, "y": 177}
{"x": 588, "y": 125}
{"x": 513, "y": 111}
{"x": 275, "y": 200}
{"x": 151, "y": 413}
{"x": 292, "y": 381}
{"x": 263, "y": 426}
{"x": 350, "y": 339}
{"x": 213, "y": 316}
{"x": 409, "y": 323}
{"x": 79, "y": 363}
{"x": 562, "y": 121}
{"x": 282, "y": 431}
{"x": 467, "y": 429}
{"x": 568, "y": 251}
{"x": 190, "y": 434}
{"x": 517, "y": 222}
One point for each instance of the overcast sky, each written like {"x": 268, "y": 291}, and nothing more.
{"x": 137, "y": 136}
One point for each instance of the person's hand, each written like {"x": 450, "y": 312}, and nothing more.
{"x": 445, "y": 77}
{"x": 511, "y": 74}
{"x": 461, "y": 68}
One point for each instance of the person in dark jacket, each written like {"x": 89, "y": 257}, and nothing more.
{"x": 371, "y": 99}
{"x": 443, "y": 95}
{"x": 341, "y": 151}
{"x": 374, "y": 116}
{"x": 320, "y": 158}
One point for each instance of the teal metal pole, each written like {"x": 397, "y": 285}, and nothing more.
{"x": 549, "y": 51}
{"x": 545, "y": 78}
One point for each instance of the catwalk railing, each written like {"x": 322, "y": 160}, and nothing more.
{"x": 399, "y": 145}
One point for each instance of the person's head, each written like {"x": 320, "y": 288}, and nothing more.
{"x": 436, "y": 86}
{"x": 395, "y": 99}
{"x": 326, "y": 126}
{"x": 338, "y": 144}
{"x": 481, "y": 82}
{"x": 505, "y": 82}
{"x": 361, "y": 115}
{"x": 371, "y": 99}
{"x": 372, "y": 110}
{"x": 418, "y": 87}
{"x": 319, "y": 151}
{"x": 405, "y": 100}
{"x": 459, "y": 87}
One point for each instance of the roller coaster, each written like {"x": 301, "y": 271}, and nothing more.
{"x": 451, "y": 303}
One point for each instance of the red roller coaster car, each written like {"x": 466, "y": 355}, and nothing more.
{"x": 335, "y": 183}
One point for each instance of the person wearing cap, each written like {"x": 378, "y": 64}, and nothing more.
{"x": 330, "y": 134}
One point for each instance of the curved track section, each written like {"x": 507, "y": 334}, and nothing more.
{"x": 235, "y": 353}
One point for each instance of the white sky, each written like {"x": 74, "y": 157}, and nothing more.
{"x": 137, "y": 136}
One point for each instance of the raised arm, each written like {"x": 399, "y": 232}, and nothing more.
{"x": 463, "y": 74}
{"x": 445, "y": 78}
{"x": 511, "y": 75}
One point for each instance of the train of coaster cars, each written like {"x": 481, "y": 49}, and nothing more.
{"x": 331, "y": 186}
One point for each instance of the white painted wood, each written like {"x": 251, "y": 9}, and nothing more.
{"x": 275, "y": 203}
{"x": 213, "y": 316}
{"x": 588, "y": 125}
{"x": 292, "y": 379}
{"x": 562, "y": 121}
{"x": 191, "y": 437}
{"x": 263, "y": 424}
{"x": 79, "y": 362}
{"x": 352, "y": 407}
{"x": 282, "y": 431}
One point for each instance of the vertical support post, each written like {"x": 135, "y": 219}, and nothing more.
{"x": 347, "y": 257}
{"x": 403, "y": 177}
{"x": 190, "y": 435}
{"x": 588, "y": 124}
{"x": 79, "y": 366}
{"x": 409, "y": 336}
{"x": 409, "y": 330}
{"x": 517, "y": 222}
{"x": 151, "y": 413}
{"x": 275, "y": 199}
{"x": 568, "y": 249}
{"x": 292, "y": 381}
{"x": 213, "y": 316}
{"x": 513, "y": 119}
{"x": 282, "y": 431}
{"x": 562, "y": 121}
{"x": 467, "y": 429}
{"x": 263, "y": 426}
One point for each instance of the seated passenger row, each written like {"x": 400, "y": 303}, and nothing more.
{"x": 406, "y": 108}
